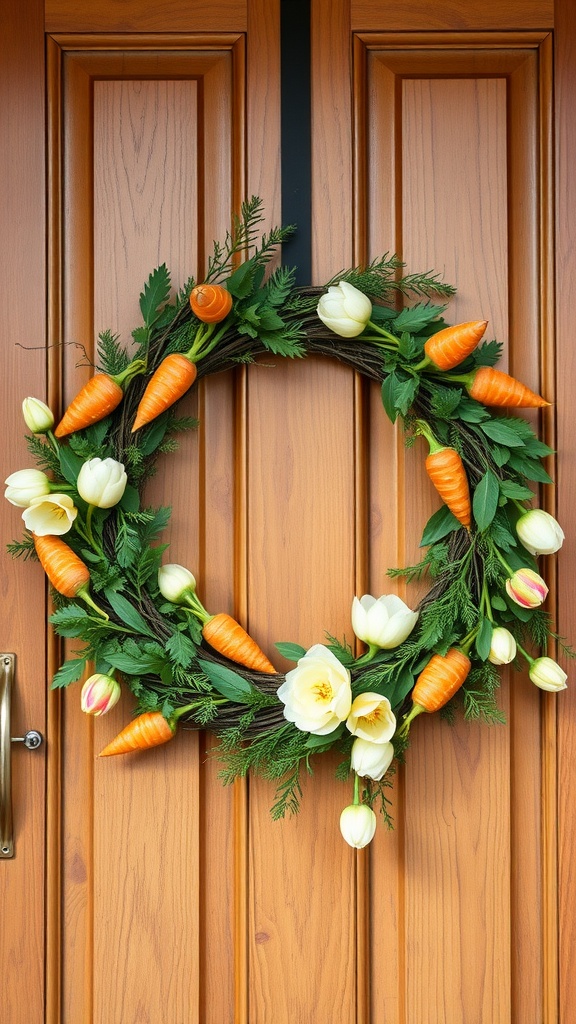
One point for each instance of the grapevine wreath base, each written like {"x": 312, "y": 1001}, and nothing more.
{"x": 139, "y": 618}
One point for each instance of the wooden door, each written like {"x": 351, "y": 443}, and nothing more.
{"x": 159, "y": 895}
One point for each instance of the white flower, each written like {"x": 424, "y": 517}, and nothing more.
{"x": 317, "y": 694}
{"x": 547, "y": 674}
{"x": 539, "y": 532}
{"x": 371, "y": 760}
{"x": 102, "y": 482}
{"x": 37, "y": 416}
{"x": 51, "y": 515}
{"x": 174, "y": 580}
{"x": 371, "y": 717}
{"x": 345, "y": 310}
{"x": 25, "y": 485}
{"x": 384, "y": 622}
{"x": 358, "y": 825}
{"x": 502, "y": 647}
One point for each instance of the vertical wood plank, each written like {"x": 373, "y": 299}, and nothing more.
{"x": 23, "y": 333}
{"x": 565, "y": 149}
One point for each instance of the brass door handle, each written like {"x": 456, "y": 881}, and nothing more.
{"x": 31, "y": 740}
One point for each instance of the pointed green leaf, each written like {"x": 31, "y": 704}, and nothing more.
{"x": 127, "y": 613}
{"x": 231, "y": 685}
{"x": 485, "y": 501}
{"x": 438, "y": 526}
{"x": 291, "y": 651}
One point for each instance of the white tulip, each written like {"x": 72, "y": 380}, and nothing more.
{"x": 345, "y": 310}
{"x": 175, "y": 580}
{"x": 358, "y": 825}
{"x": 547, "y": 674}
{"x": 371, "y": 717}
{"x": 371, "y": 760}
{"x": 539, "y": 532}
{"x": 502, "y": 647}
{"x": 37, "y": 416}
{"x": 317, "y": 693}
{"x": 102, "y": 482}
{"x": 25, "y": 485}
{"x": 384, "y": 622}
{"x": 51, "y": 515}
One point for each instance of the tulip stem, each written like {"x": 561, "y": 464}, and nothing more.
{"x": 384, "y": 333}
{"x": 356, "y": 789}
{"x": 195, "y": 606}
{"x": 53, "y": 441}
{"x": 367, "y": 656}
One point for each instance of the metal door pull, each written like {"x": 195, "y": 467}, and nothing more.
{"x": 31, "y": 740}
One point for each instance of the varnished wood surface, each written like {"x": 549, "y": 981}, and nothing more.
{"x": 22, "y": 338}
{"x": 181, "y": 900}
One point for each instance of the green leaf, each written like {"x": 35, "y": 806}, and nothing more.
{"x": 127, "y": 613}
{"x": 291, "y": 651}
{"x": 180, "y": 649}
{"x": 130, "y": 500}
{"x": 499, "y": 431}
{"x": 389, "y": 397}
{"x": 530, "y": 468}
{"x": 511, "y": 489}
{"x": 69, "y": 672}
{"x": 498, "y": 602}
{"x": 414, "y": 318}
{"x": 231, "y": 685}
{"x": 155, "y": 294}
{"x": 241, "y": 282}
{"x": 484, "y": 639}
{"x": 438, "y": 526}
{"x": 314, "y": 741}
{"x": 70, "y": 620}
{"x": 153, "y": 434}
{"x": 485, "y": 501}
{"x": 472, "y": 412}
{"x": 70, "y": 464}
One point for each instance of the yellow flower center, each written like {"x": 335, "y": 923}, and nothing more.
{"x": 323, "y": 691}
{"x": 375, "y": 716}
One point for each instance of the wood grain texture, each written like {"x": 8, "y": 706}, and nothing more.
{"x": 145, "y": 16}
{"x": 23, "y": 334}
{"x": 442, "y": 140}
{"x": 408, "y": 15}
{"x": 565, "y": 55}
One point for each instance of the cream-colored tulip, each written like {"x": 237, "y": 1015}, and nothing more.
{"x": 371, "y": 718}
{"x": 539, "y": 532}
{"x": 371, "y": 760}
{"x": 25, "y": 485}
{"x": 345, "y": 310}
{"x": 102, "y": 482}
{"x": 317, "y": 694}
{"x": 51, "y": 515}
{"x": 358, "y": 825}
{"x": 37, "y": 416}
{"x": 502, "y": 646}
{"x": 174, "y": 581}
{"x": 547, "y": 674}
{"x": 382, "y": 622}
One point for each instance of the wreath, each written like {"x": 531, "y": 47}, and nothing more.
{"x": 140, "y": 619}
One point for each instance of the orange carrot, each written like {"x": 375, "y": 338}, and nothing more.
{"x": 441, "y": 678}
{"x": 228, "y": 637}
{"x": 211, "y": 303}
{"x": 99, "y": 397}
{"x": 494, "y": 387}
{"x": 147, "y": 730}
{"x": 66, "y": 572}
{"x": 450, "y": 347}
{"x": 167, "y": 384}
{"x": 446, "y": 471}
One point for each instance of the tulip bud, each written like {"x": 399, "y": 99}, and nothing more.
{"x": 37, "y": 416}
{"x": 99, "y": 694}
{"x": 384, "y": 622}
{"x": 547, "y": 674}
{"x": 345, "y": 310}
{"x": 539, "y": 532}
{"x": 25, "y": 485}
{"x": 175, "y": 581}
{"x": 371, "y": 760}
{"x": 502, "y": 647}
{"x": 358, "y": 825}
{"x": 102, "y": 482}
{"x": 526, "y": 588}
